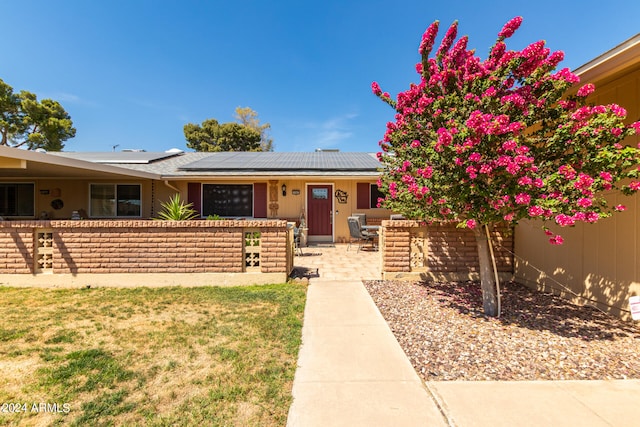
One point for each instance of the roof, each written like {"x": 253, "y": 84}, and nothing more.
{"x": 200, "y": 165}
{"x": 262, "y": 164}
{"x": 119, "y": 157}
{"x": 611, "y": 62}
{"x": 273, "y": 161}
{"x": 19, "y": 163}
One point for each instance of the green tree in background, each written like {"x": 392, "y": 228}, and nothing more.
{"x": 248, "y": 117}
{"x": 247, "y": 135}
{"x": 25, "y": 121}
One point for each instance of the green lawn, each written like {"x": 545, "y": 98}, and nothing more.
{"x": 149, "y": 356}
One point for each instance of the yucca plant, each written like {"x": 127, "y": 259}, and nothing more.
{"x": 177, "y": 210}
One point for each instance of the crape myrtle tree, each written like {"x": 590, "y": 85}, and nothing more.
{"x": 486, "y": 142}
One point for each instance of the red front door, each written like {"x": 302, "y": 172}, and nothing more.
{"x": 320, "y": 212}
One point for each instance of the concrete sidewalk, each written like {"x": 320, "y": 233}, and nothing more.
{"x": 539, "y": 403}
{"x": 352, "y": 371}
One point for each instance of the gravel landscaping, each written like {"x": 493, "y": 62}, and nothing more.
{"x": 539, "y": 336}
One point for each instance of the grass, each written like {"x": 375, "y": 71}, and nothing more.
{"x": 150, "y": 356}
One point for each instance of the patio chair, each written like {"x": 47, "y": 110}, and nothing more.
{"x": 362, "y": 217}
{"x": 357, "y": 234}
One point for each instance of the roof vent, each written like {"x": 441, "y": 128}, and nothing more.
{"x": 327, "y": 150}
{"x": 174, "y": 150}
{"x": 133, "y": 150}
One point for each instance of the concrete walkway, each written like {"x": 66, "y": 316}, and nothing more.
{"x": 352, "y": 371}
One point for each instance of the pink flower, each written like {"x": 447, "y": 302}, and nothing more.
{"x": 393, "y": 190}
{"x": 535, "y": 211}
{"x": 448, "y": 38}
{"x": 472, "y": 171}
{"x": 566, "y": 75}
{"x": 582, "y": 113}
{"x": 555, "y": 58}
{"x": 634, "y": 185}
{"x": 509, "y": 145}
{"x": 592, "y": 217}
{"x": 580, "y": 216}
{"x": 510, "y": 27}
{"x": 375, "y": 87}
{"x": 444, "y": 137}
{"x": 567, "y": 105}
{"x": 471, "y": 223}
{"x": 616, "y": 131}
{"x": 508, "y": 217}
{"x": 475, "y": 157}
{"x": 556, "y": 240}
{"x": 620, "y": 208}
{"x": 584, "y": 181}
{"x": 523, "y": 199}
{"x": 618, "y": 110}
{"x": 486, "y": 169}
{"x": 415, "y": 143}
{"x": 428, "y": 38}
{"x": 525, "y": 180}
{"x": 408, "y": 179}
{"x": 490, "y": 92}
{"x": 425, "y": 172}
{"x": 606, "y": 176}
{"x": 586, "y": 90}
{"x": 564, "y": 220}
{"x": 584, "y": 202}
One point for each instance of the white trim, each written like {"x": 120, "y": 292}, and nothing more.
{"x": 115, "y": 185}
{"x": 52, "y": 159}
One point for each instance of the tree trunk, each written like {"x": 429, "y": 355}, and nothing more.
{"x": 487, "y": 279}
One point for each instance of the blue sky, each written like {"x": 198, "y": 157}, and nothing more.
{"x": 132, "y": 73}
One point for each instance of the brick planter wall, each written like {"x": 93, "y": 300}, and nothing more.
{"x": 142, "y": 246}
{"x": 414, "y": 251}
{"x": 16, "y": 250}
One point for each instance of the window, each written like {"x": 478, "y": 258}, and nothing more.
{"x": 227, "y": 200}
{"x": 320, "y": 193}
{"x": 17, "y": 199}
{"x": 368, "y": 195}
{"x": 115, "y": 200}
{"x": 375, "y": 195}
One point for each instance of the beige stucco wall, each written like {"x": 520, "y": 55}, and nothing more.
{"x": 292, "y": 206}
{"x": 74, "y": 194}
{"x": 598, "y": 263}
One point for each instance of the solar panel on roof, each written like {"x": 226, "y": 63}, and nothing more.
{"x": 272, "y": 161}
{"x": 119, "y": 157}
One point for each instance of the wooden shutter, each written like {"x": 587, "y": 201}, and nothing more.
{"x": 194, "y": 195}
{"x": 363, "y": 195}
{"x": 260, "y": 200}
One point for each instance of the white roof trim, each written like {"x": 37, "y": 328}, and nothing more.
{"x": 34, "y": 156}
{"x": 617, "y": 58}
